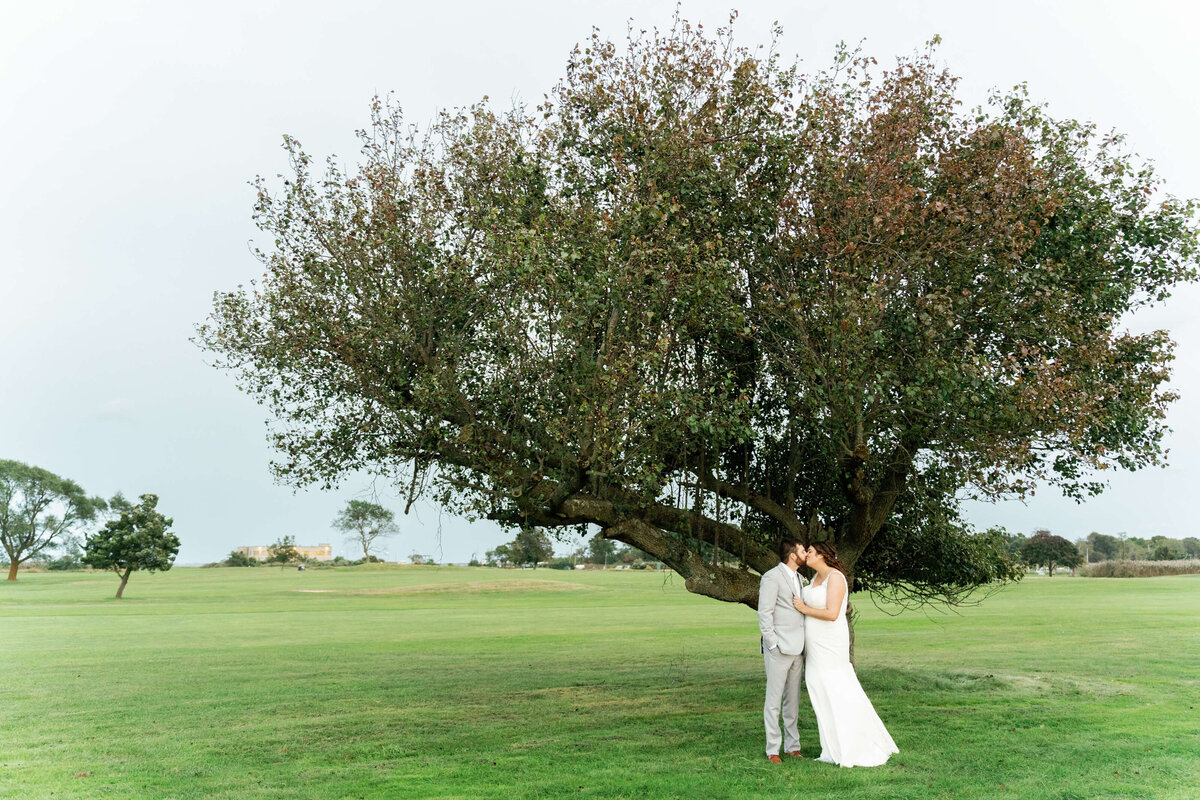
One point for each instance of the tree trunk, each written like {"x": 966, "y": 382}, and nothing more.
{"x": 12, "y": 569}
{"x": 124, "y": 580}
{"x": 850, "y": 615}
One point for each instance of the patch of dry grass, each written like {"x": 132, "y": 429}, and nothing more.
{"x": 1140, "y": 569}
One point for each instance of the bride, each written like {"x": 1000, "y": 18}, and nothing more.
{"x": 852, "y": 735}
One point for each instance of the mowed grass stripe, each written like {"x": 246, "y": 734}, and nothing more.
{"x": 457, "y": 682}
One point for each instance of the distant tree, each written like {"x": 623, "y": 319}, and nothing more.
{"x": 1191, "y": 547}
{"x": 239, "y": 559}
{"x": 1108, "y": 548}
{"x": 418, "y": 558}
{"x": 37, "y": 508}
{"x": 633, "y": 555}
{"x": 363, "y": 523}
{"x": 531, "y": 546}
{"x": 601, "y": 550}
{"x": 1046, "y": 549}
{"x": 283, "y": 551}
{"x": 138, "y": 539}
{"x": 1085, "y": 550}
{"x": 69, "y": 556}
{"x": 71, "y": 545}
{"x": 1137, "y": 548}
{"x": 1132, "y": 548}
{"x": 502, "y": 556}
{"x": 1013, "y": 542}
{"x": 1164, "y": 548}
{"x": 69, "y": 549}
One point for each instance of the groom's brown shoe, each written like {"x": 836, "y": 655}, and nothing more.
{"x": 774, "y": 759}
{"x": 795, "y": 754}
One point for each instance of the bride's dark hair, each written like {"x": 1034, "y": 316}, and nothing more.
{"x": 829, "y": 553}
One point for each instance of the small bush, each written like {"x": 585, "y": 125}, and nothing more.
{"x": 65, "y": 562}
{"x": 236, "y": 559}
{"x": 1140, "y": 569}
{"x": 356, "y": 562}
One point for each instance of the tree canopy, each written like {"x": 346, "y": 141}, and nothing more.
{"x": 364, "y": 523}
{"x": 1044, "y": 549}
{"x": 703, "y": 301}
{"x": 138, "y": 539}
{"x": 38, "y": 508}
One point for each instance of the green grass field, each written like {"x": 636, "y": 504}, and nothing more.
{"x": 445, "y": 682}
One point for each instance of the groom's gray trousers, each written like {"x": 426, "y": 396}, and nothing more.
{"x": 783, "y": 694}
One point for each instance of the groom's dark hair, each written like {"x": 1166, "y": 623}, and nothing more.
{"x": 787, "y": 546}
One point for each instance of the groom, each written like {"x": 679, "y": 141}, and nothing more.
{"x": 782, "y": 629}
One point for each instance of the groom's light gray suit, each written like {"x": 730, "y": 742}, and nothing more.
{"x": 782, "y": 628}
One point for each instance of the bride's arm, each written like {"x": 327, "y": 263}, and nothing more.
{"x": 834, "y": 595}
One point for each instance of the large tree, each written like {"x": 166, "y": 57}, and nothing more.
{"x": 37, "y": 509}
{"x": 1044, "y": 549}
{"x": 702, "y": 301}
{"x": 601, "y": 550}
{"x": 364, "y": 523}
{"x": 138, "y": 539}
{"x": 1105, "y": 546}
{"x": 532, "y": 546}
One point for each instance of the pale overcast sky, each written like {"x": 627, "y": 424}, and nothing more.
{"x": 129, "y": 131}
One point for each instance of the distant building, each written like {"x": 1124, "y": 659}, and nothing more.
{"x": 320, "y": 552}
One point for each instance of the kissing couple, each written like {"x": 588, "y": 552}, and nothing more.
{"x": 804, "y": 630}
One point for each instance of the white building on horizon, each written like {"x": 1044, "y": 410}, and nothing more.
{"x": 320, "y": 552}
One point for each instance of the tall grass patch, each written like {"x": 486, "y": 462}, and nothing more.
{"x": 1140, "y": 569}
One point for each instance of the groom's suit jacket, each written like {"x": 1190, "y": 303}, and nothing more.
{"x": 781, "y": 624}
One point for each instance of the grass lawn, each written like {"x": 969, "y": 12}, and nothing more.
{"x": 443, "y": 682}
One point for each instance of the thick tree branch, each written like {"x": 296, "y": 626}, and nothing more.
{"x": 701, "y": 577}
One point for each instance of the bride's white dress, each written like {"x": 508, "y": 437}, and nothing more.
{"x": 852, "y": 735}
